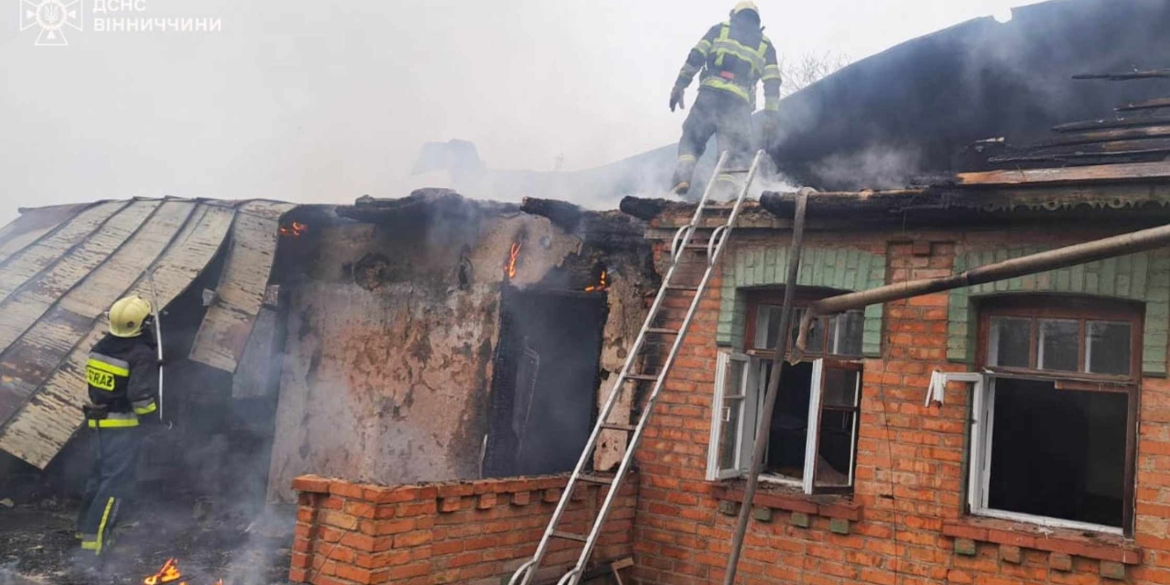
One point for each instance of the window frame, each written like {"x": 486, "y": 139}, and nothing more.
{"x": 749, "y": 395}
{"x": 982, "y": 420}
{"x": 1051, "y": 308}
{"x": 801, "y": 300}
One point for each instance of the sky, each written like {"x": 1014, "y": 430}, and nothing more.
{"x": 326, "y": 101}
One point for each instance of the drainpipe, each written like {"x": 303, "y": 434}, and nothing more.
{"x": 764, "y": 430}
{"x": 1060, "y": 258}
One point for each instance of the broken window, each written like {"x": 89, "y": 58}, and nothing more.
{"x": 1054, "y": 413}
{"x": 813, "y": 436}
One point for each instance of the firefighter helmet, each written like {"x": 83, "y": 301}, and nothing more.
{"x": 746, "y": 5}
{"x": 127, "y": 316}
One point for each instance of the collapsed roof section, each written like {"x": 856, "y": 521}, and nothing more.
{"x": 62, "y": 267}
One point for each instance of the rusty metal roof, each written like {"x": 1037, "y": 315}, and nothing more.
{"x": 62, "y": 267}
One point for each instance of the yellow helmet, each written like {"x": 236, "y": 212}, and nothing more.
{"x": 127, "y": 316}
{"x": 746, "y": 5}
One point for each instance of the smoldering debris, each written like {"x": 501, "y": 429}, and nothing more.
{"x": 237, "y": 545}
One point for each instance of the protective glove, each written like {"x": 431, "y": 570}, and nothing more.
{"x": 676, "y": 98}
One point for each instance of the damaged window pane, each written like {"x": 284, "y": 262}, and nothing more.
{"x": 1108, "y": 350}
{"x": 732, "y": 413}
{"x": 786, "y": 439}
{"x": 1010, "y": 343}
{"x": 846, "y": 332}
{"x": 837, "y": 335}
{"x": 835, "y": 451}
{"x": 768, "y": 327}
{"x": 838, "y": 426}
{"x": 1058, "y": 453}
{"x": 1059, "y": 345}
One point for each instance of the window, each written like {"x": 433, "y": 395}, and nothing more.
{"x": 1054, "y": 413}
{"x": 813, "y": 435}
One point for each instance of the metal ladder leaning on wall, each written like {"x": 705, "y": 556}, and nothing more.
{"x": 680, "y": 246}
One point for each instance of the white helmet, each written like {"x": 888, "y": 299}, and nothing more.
{"x": 745, "y": 5}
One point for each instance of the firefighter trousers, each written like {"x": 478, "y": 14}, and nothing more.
{"x": 727, "y": 117}
{"x": 110, "y": 485}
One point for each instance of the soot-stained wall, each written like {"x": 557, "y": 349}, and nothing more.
{"x": 391, "y": 335}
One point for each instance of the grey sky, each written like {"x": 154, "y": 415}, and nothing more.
{"x": 323, "y": 101}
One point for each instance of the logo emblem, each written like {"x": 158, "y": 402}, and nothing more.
{"x": 53, "y": 17}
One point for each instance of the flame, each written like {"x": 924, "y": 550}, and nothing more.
{"x": 513, "y": 256}
{"x": 602, "y": 283}
{"x": 169, "y": 573}
{"x": 293, "y": 230}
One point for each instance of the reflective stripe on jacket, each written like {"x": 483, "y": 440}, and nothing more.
{"x": 122, "y": 376}
{"x": 735, "y": 59}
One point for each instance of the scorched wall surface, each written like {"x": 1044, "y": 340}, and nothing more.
{"x": 390, "y": 345}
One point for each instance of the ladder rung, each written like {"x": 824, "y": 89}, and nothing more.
{"x": 619, "y": 427}
{"x": 684, "y": 288}
{"x": 569, "y": 536}
{"x": 697, "y": 247}
{"x": 643, "y": 377}
{"x": 664, "y": 331}
{"x": 595, "y": 479}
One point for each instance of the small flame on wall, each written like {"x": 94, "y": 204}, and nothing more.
{"x": 602, "y": 283}
{"x": 293, "y": 230}
{"x": 513, "y": 258}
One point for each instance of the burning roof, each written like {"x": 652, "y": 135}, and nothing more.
{"x": 62, "y": 267}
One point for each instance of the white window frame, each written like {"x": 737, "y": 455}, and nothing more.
{"x": 720, "y": 413}
{"x": 748, "y": 397}
{"x": 979, "y": 467}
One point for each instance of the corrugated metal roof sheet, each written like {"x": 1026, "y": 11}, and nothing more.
{"x": 61, "y": 268}
{"x": 224, "y": 333}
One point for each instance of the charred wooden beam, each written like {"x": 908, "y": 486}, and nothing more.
{"x": 1145, "y": 105}
{"x": 1128, "y": 75}
{"x": 563, "y": 214}
{"x": 1095, "y": 148}
{"x": 1146, "y": 155}
{"x": 1121, "y": 122}
{"x": 1162, "y": 131}
{"x": 879, "y": 203}
{"x": 420, "y": 203}
{"x": 1122, "y": 172}
{"x": 648, "y": 209}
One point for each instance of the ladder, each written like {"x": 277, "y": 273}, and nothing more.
{"x": 680, "y": 246}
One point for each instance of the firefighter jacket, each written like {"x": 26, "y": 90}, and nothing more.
{"x": 122, "y": 373}
{"x": 734, "y": 57}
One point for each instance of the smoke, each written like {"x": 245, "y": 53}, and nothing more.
{"x": 880, "y": 167}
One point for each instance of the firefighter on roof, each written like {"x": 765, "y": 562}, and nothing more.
{"x": 123, "y": 387}
{"x": 733, "y": 57}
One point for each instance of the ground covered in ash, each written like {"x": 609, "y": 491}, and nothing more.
{"x": 210, "y": 540}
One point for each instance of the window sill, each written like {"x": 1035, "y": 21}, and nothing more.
{"x": 837, "y": 507}
{"x": 1103, "y": 547}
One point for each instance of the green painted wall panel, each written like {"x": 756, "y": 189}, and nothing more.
{"x": 838, "y": 268}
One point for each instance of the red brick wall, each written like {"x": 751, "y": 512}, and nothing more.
{"x": 468, "y": 533}
{"x": 904, "y": 524}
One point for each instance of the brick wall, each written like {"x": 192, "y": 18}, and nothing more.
{"x": 904, "y": 523}
{"x": 469, "y": 533}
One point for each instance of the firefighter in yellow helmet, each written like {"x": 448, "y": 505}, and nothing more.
{"x": 123, "y": 388}
{"x": 733, "y": 57}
